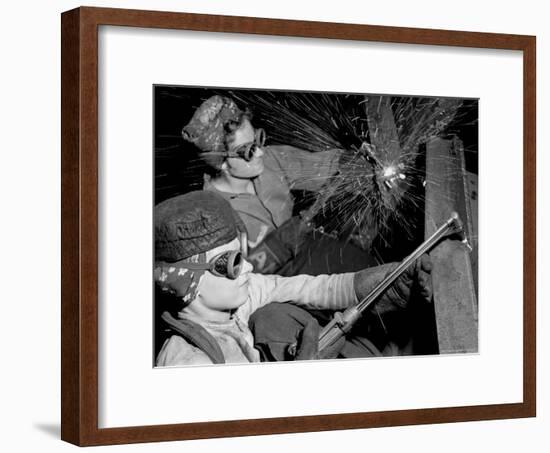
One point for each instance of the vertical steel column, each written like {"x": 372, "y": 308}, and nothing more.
{"x": 455, "y": 298}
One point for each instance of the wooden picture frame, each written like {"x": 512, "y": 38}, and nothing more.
{"x": 79, "y": 314}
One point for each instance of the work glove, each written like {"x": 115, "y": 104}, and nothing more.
{"x": 414, "y": 280}
{"x": 283, "y": 331}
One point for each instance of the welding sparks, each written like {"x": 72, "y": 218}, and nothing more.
{"x": 375, "y": 185}
{"x": 390, "y": 174}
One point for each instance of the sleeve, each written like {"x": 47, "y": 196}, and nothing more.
{"x": 177, "y": 352}
{"x": 334, "y": 292}
{"x": 305, "y": 170}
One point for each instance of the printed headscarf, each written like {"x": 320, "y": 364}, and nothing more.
{"x": 178, "y": 281}
{"x": 206, "y": 129}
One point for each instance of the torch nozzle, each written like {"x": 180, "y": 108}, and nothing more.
{"x": 458, "y": 228}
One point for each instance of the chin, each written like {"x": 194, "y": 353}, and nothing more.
{"x": 243, "y": 296}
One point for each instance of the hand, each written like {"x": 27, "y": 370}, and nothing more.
{"x": 424, "y": 277}
{"x": 416, "y": 279}
{"x": 292, "y": 232}
{"x": 307, "y": 343}
{"x": 283, "y": 331}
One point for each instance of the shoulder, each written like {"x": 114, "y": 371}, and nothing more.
{"x": 178, "y": 352}
{"x": 260, "y": 287}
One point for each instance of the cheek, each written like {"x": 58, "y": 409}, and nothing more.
{"x": 222, "y": 293}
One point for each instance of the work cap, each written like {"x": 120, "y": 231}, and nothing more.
{"x": 191, "y": 224}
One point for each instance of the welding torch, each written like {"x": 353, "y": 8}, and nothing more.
{"x": 342, "y": 322}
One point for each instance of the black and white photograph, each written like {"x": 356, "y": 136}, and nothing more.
{"x": 293, "y": 225}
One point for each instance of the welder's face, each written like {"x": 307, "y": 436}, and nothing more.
{"x": 238, "y": 167}
{"x": 222, "y": 293}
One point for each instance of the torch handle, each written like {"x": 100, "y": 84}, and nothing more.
{"x": 453, "y": 223}
{"x": 342, "y": 322}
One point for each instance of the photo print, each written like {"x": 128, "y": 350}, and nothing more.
{"x": 294, "y": 225}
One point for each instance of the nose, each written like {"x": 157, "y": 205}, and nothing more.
{"x": 247, "y": 267}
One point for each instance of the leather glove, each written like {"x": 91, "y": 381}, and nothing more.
{"x": 416, "y": 279}
{"x": 307, "y": 343}
{"x": 283, "y": 331}
{"x": 279, "y": 247}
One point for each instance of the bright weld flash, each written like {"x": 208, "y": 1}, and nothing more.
{"x": 390, "y": 175}
{"x": 389, "y": 171}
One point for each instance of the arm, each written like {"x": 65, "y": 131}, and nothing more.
{"x": 337, "y": 291}
{"x": 303, "y": 170}
{"x": 321, "y": 292}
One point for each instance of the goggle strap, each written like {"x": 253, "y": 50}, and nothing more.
{"x": 195, "y": 266}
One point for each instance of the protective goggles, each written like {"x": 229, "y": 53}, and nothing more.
{"x": 227, "y": 264}
{"x": 247, "y": 150}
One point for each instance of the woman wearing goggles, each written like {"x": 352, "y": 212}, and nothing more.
{"x": 225, "y": 286}
{"x": 243, "y": 158}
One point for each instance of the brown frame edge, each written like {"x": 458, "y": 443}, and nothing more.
{"x": 79, "y": 138}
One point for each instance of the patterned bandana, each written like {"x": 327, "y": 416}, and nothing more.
{"x": 179, "y": 281}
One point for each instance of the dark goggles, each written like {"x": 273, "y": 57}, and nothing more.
{"x": 247, "y": 150}
{"x": 226, "y": 264}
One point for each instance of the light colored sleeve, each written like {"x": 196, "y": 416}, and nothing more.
{"x": 177, "y": 352}
{"x": 304, "y": 170}
{"x": 334, "y": 292}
